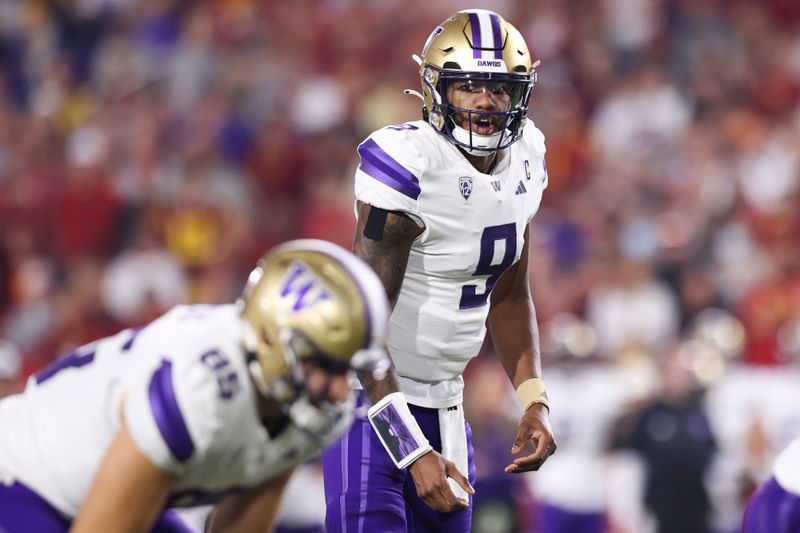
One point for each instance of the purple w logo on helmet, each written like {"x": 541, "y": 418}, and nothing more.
{"x": 302, "y": 285}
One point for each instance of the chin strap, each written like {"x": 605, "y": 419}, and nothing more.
{"x": 485, "y": 145}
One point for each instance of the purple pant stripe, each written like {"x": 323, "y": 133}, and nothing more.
{"x": 475, "y": 24}
{"x": 498, "y": 44}
{"x": 342, "y": 498}
{"x": 772, "y": 510}
{"x": 366, "y": 429}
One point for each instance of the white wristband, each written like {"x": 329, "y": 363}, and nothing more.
{"x": 398, "y": 430}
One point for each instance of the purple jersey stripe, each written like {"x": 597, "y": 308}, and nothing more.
{"x": 73, "y": 360}
{"x": 498, "y": 44}
{"x": 476, "y": 35}
{"x": 167, "y": 413}
{"x": 380, "y": 165}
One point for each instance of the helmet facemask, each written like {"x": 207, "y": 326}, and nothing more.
{"x": 315, "y": 416}
{"x": 456, "y": 123}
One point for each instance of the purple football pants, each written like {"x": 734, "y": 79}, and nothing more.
{"x": 365, "y": 492}
{"x": 24, "y": 511}
{"x": 552, "y": 519}
{"x": 772, "y": 510}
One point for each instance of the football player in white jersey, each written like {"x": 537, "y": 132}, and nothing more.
{"x": 775, "y": 506}
{"x": 443, "y": 206}
{"x": 205, "y": 404}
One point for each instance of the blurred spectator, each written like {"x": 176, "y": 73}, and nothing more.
{"x": 87, "y": 209}
{"x": 672, "y": 435}
{"x": 142, "y": 282}
{"x": 633, "y": 308}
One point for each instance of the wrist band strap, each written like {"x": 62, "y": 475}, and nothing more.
{"x": 532, "y": 391}
{"x": 398, "y": 430}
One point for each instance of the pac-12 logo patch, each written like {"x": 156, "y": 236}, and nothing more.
{"x": 465, "y": 185}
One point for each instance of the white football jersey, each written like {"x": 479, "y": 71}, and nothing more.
{"x": 474, "y": 230}
{"x": 787, "y": 468}
{"x": 189, "y": 405}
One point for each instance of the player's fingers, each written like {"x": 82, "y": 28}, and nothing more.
{"x": 522, "y": 435}
{"x": 542, "y": 445}
{"x": 460, "y": 478}
{"x": 451, "y": 501}
{"x": 525, "y": 464}
{"x": 438, "y": 502}
{"x": 461, "y": 504}
{"x": 544, "y": 449}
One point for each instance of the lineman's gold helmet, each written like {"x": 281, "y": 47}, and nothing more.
{"x": 313, "y": 300}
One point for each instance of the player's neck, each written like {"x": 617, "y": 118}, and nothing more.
{"x": 482, "y": 163}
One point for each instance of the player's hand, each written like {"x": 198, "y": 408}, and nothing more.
{"x": 534, "y": 426}
{"x": 430, "y": 473}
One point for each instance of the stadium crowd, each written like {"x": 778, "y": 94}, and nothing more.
{"x": 151, "y": 151}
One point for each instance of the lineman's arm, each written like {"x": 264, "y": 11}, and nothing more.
{"x": 383, "y": 239}
{"x": 512, "y": 321}
{"x": 253, "y": 510}
{"x": 128, "y": 492}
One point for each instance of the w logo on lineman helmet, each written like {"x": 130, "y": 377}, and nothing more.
{"x": 302, "y": 285}
{"x": 465, "y": 185}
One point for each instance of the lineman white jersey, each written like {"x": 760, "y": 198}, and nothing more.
{"x": 474, "y": 227}
{"x": 183, "y": 388}
{"x": 787, "y": 468}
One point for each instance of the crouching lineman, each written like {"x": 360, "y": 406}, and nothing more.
{"x": 775, "y": 506}
{"x": 207, "y": 404}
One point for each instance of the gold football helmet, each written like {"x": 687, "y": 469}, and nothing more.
{"x": 312, "y": 300}
{"x": 478, "y": 47}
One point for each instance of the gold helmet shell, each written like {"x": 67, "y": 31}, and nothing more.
{"x": 313, "y": 300}
{"x": 476, "y": 44}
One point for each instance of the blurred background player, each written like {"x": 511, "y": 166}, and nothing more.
{"x": 775, "y": 506}
{"x": 205, "y": 404}
{"x": 443, "y": 208}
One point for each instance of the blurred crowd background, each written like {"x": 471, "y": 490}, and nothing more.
{"x": 151, "y": 151}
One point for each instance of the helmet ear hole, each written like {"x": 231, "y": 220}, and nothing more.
{"x": 451, "y": 65}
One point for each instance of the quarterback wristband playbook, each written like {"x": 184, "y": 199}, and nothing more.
{"x": 532, "y": 391}
{"x": 398, "y": 430}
